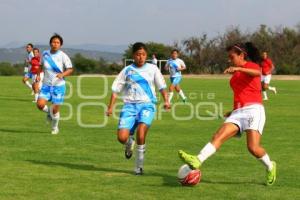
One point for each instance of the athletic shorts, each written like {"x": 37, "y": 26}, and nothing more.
{"x": 175, "y": 80}
{"x": 54, "y": 94}
{"x": 250, "y": 117}
{"x": 266, "y": 78}
{"x": 28, "y": 75}
{"x": 134, "y": 113}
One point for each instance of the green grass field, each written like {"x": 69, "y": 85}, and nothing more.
{"x": 89, "y": 163}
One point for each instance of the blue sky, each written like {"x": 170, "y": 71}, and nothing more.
{"x": 126, "y": 21}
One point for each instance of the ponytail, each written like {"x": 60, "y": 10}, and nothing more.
{"x": 248, "y": 49}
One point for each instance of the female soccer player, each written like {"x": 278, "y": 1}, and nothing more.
{"x": 27, "y": 74}
{"x": 175, "y": 65}
{"x": 248, "y": 114}
{"x": 35, "y": 70}
{"x": 57, "y": 65}
{"x": 267, "y": 68}
{"x": 137, "y": 83}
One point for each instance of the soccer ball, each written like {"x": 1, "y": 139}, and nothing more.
{"x": 187, "y": 176}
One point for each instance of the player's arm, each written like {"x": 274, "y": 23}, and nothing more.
{"x": 111, "y": 104}
{"x": 68, "y": 72}
{"x": 160, "y": 83}
{"x": 117, "y": 86}
{"x": 249, "y": 71}
{"x": 68, "y": 65}
{"x": 182, "y": 66}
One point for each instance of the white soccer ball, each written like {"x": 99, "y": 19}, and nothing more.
{"x": 183, "y": 171}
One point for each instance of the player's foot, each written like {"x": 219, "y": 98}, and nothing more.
{"x": 274, "y": 90}
{"x": 139, "y": 171}
{"x": 32, "y": 92}
{"x": 54, "y": 131}
{"x": 191, "y": 160}
{"x": 184, "y": 100}
{"x": 34, "y": 101}
{"x": 129, "y": 147}
{"x": 271, "y": 175}
{"x": 48, "y": 118}
{"x": 265, "y": 98}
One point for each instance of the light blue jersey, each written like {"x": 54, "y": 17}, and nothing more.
{"x": 138, "y": 87}
{"x": 174, "y": 65}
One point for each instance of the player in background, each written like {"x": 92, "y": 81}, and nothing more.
{"x": 137, "y": 83}
{"x": 267, "y": 68}
{"x": 35, "y": 70}
{"x": 248, "y": 114}
{"x": 154, "y": 59}
{"x": 175, "y": 65}
{"x": 56, "y": 66}
{"x": 27, "y": 73}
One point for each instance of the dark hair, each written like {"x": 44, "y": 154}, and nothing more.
{"x": 30, "y": 44}
{"x": 56, "y": 36}
{"x": 248, "y": 49}
{"x": 173, "y": 50}
{"x": 138, "y": 46}
{"x": 36, "y": 49}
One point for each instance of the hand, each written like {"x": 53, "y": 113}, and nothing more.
{"x": 61, "y": 75}
{"x": 109, "y": 111}
{"x": 167, "y": 106}
{"x": 231, "y": 70}
{"x": 38, "y": 79}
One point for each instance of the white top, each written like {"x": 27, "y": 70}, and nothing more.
{"x": 53, "y": 65}
{"x": 28, "y": 59}
{"x": 137, "y": 84}
{"x": 174, "y": 65}
{"x": 154, "y": 61}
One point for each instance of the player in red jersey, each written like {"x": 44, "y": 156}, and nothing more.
{"x": 248, "y": 113}
{"x": 267, "y": 68}
{"x": 36, "y": 69}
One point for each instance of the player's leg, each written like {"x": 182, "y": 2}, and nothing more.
{"x": 226, "y": 131}
{"x": 273, "y": 89}
{"x": 57, "y": 99}
{"x": 26, "y": 81}
{"x": 131, "y": 142}
{"x": 180, "y": 92}
{"x": 171, "y": 90}
{"x": 254, "y": 147}
{"x": 145, "y": 117}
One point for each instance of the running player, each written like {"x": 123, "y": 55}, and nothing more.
{"x": 175, "y": 65}
{"x": 35, "y": 70}
{"x": 267, "y": 68}
{"x": 57, "y": 65}
{"x": 137, "y": 83}
{"x": 27, "y": 74}
{"x": 248, "y": 114}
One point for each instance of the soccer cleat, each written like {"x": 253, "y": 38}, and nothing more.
{"x": 129, "y": 147}
{"x": 271, "y": 175}
{"x": 266, "y": 99}
{"x": 54, "y": 131}
{"x": 191, "y": 160}
{"x": 139, "y": 171}
{"x": 274, "y": 90}
{"x": 184, "y": 100}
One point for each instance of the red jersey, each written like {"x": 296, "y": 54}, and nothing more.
{"x": 35, "y": 65}
{"x": 266, "y": 66}
{"x": 246, "y": 88}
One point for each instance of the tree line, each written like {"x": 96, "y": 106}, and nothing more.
{"x": 203, "y": 54}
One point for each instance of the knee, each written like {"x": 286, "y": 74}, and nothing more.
{"x": 122, "y": 139}
{"x": 265, "y": 86}
{"x": 40, "y": 105}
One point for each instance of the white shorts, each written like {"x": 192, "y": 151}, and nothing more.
{"x": 266, "y": 78}
{"x": 250, "y": 117}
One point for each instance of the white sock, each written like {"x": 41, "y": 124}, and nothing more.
{"x": 55, "y": 120}
{"x": 265, "y": 95}
{"x": 28, "y": 84}
{"x": 182, "y": 94}
{"x": 170, "y": 96}
{"x": 271, "y": 88}
{"x": 140, "y": 151}
{"x": 267, "y": 161}
{"x": 46, "y": 109}
{"x": 36, "y": 96}
{"x": 208, "y": 150}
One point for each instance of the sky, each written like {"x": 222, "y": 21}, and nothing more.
{"x": 121, "y": 22}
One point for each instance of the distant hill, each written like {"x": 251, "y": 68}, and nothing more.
{"x": 17, "y": 55}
